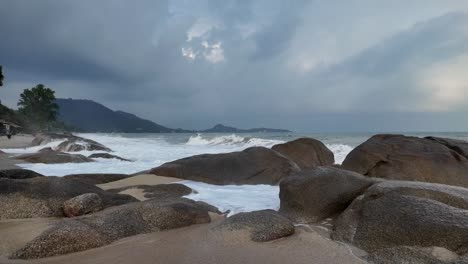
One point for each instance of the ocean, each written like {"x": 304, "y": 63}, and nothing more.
{"x": 151, "y": 150}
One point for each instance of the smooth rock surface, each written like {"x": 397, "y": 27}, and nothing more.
{"x": 319, "y": 193}
{"x": 396, "y": 213}
{"x": 398, "y": 157}
{"x": 262, "y": 226}
{"x": 306, "y": 152}
{"x": 256, "y": 165}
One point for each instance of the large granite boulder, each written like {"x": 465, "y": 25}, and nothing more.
{"x": 96, "y": 178}
{"x": 53, "y": 157}
{"x": 102, "y": 228}
{"x": 82, "y": 204}
{"x": 256, "y": 165}
{"x": 306, "y": 152}
{"x": 319, "y": 193}
{"x": 19, "y": 174}
{"x": 397, "y": 213}
{"x": 398, "y": 157}
{"x": 262, "y": 226}
{"x": 44, "y": 196}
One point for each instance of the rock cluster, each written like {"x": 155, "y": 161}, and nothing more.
{"x": 99, "y": 229}
{"x": 45, "y": 196}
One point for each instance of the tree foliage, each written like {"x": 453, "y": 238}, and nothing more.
{"x": 1, "y": 76}
{"x": 38, "y": 107}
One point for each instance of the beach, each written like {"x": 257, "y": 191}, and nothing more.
{"x": 227, "y": 198}
{"x": 193, "y": 244}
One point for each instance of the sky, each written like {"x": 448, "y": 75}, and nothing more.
{"x": 309, "y": 66}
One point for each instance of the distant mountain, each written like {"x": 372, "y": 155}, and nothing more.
{"x": 90, "y": 116}
{"x": 226, "y": 129}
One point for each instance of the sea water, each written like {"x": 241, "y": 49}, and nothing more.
{"x": 151, "y": 150}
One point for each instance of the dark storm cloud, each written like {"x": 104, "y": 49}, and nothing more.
{"x": 297, "y": 64}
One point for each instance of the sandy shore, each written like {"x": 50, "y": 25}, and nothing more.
{"x": 17, "y": 141}
{"x": 143, "y": 179}
{"x": 200, "y": 244}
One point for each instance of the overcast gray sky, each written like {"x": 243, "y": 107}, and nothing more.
{"x": 356, "y": 65}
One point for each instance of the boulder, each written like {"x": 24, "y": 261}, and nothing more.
{"x": 319, "y": 193}
{"x": 53, "y": 157}
{"x": 19, "y": 174}
{"x": 459, "y": 146}
{"x": 306, "y": 152}
{"x": 82, "y": 204}
{"x": 102, "y": 228}
{"x": 106, "y": 156}
{"x": 44, "y": 196}
{"x": 397, "y": 213}
{"x": 71, "y": 142}
{"x": 262, "y": 226}
{"x": 256, "y": 165}
{"x": 96, "y": 178}
{"x": 80, "y": 144}
{"x": 398, "y": 157}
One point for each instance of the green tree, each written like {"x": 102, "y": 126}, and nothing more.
{"x": 38, "y": 107}
{"x": 1, "y": 76}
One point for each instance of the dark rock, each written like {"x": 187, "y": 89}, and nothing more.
{"x": 96, "y": 178}
{"x": 459, "y": 146}
{"x": 396, "y": 213}
{"x": 44, "y": 196}
{"x": 106, "y": 156}
{"x": 80, "y": 144}
{"x": 397, "y": 157}
{"x": 413, "y": 255}
{"x": 208, "y": 207}
{"x": 90, "y": 231}
{"x": 265, "y": 225}
{"x": 72, "y": 143}
{"x": 306, "y": 152}
{"x": 257, "y": 165}
{"x": 319, "y": 193}
{"x": 82, "y": 204}
{"x": 46, "y": 150}
{"x": 53, "y": 157}
{"x": 19, "y": 174}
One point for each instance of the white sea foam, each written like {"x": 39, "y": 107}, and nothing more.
{"x": 146, "y": 152}
{"x": 340, "y": 151}
{"x": 236, "y": 198}
{"x": 231, "y": 140}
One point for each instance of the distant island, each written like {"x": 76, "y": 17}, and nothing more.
{"x": 90, "y": 116}
{"x": 219, "y": 128}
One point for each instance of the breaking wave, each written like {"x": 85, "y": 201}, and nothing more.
{"x": 230, "y": 140}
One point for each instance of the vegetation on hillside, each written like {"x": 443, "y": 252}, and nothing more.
{"x": 37, "y": 110}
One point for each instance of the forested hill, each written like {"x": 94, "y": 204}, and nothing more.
{"x": 90, "y": 116}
